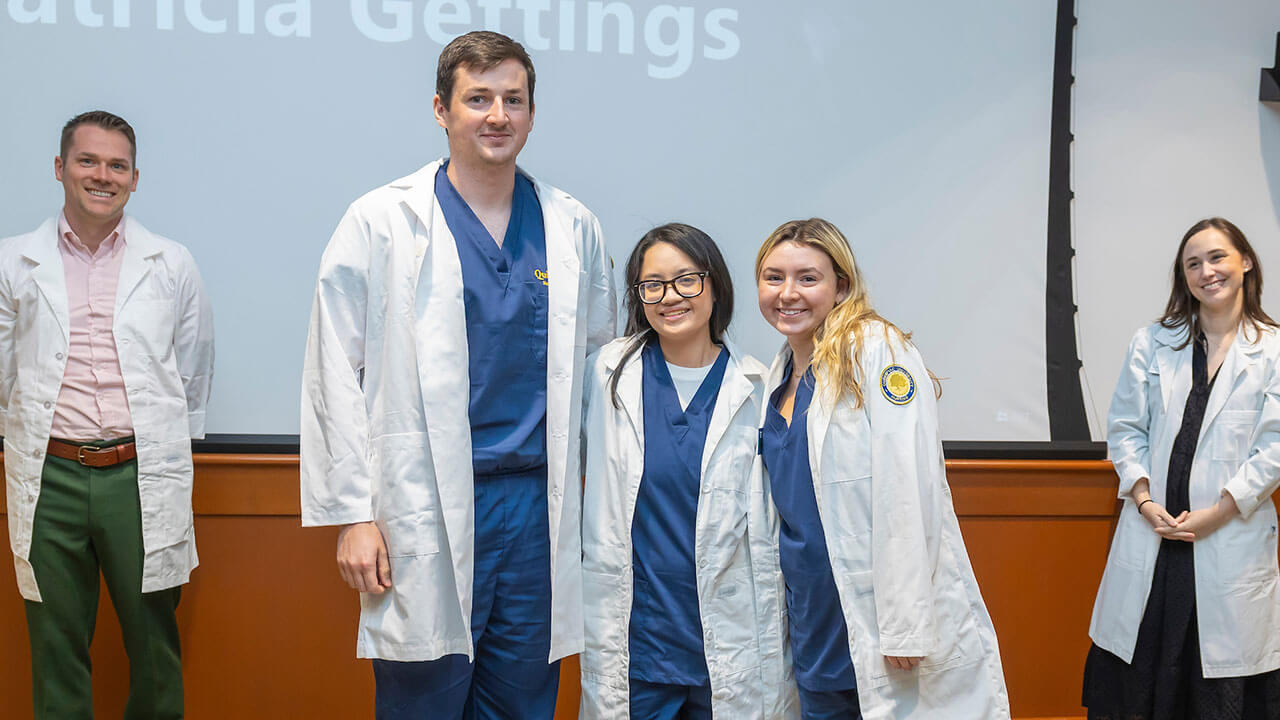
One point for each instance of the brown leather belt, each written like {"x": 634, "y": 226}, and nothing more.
{"x": 92, "y": 455}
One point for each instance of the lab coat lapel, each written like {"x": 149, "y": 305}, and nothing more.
{"x": 139, "y": 247}
{"x": 440, "y": 340}
{"x": 49, "y": 274}
{"x": 1240, "y": 357}
{"x": 1174, "y": 366}
{"x": 564, "y": 333}
{"x": 735, "y": 390}
{"x": 631, "y": 393}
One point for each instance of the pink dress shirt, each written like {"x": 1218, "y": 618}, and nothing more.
{"x": 91, "y": 403}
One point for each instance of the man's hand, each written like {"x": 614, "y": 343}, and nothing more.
{"x": 362, "y": 558}
{"x": 903, "y": 663}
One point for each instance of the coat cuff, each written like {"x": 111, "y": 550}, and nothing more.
{"x": 1130, "y": 474}
{"x": 195, "y": 421}
{"x": 906, "y": 646}
{"x": 1240, "y": 486}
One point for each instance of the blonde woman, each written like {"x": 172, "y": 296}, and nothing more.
{"x": 886, "y": 620}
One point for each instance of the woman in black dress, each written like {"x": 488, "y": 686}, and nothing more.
{"x": 1186, "y": 624}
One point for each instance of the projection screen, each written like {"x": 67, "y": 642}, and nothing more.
{"x": 920, "y": 129}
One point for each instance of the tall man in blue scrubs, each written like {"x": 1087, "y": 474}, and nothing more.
{"x": 441, "y": 405}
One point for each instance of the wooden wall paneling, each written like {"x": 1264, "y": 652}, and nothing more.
{"x": 268, "y": 628}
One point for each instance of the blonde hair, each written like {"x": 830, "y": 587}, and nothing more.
{"x": 837, "y": 343}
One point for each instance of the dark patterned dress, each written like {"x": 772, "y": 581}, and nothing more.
{"x": 1165, "y": 680}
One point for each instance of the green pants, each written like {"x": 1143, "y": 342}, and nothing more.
{"x": 86, "y": 519}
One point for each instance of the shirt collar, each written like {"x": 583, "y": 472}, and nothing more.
{"x": 69, "y": 241}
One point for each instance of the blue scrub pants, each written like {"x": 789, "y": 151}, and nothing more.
{"x": 510, "y": 621}
{"x": 656, "y": 701}
{"x": 829, "y": 705}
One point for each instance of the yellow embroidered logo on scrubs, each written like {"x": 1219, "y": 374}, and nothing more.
{"x": 541, "y": 275}
{"x": 897, "y": 385}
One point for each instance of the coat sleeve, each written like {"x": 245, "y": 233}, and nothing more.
{"x": 334, "y": 430}
{"x": 1259, "y": 475}
{"x": 8, "y": 355}
{"x": 907, "y": 484}
{"x": 1129, "y": 420}
{"x": 193, "y": 342}
{"x": 601, "y": 305}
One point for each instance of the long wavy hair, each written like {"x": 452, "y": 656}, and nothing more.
{"x": 838, "y": 341}
{"x": 705, "y": 254}
{"x": 1183, "y": 309}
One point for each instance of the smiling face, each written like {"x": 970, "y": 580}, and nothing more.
{"x": 489, "y": 116}
{"x": 798, "y": 288}
{"x": 1214, "y": 270}
{"x": 675, "y": 318}
{"x": 97, "y": 176}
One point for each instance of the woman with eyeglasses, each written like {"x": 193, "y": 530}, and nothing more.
{"x": 683, "y": 617}
{"x": 1187, "y": 619}
{"x": 886, "y": 620}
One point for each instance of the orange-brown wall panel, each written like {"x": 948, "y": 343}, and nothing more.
{"x": 268, "y": 629}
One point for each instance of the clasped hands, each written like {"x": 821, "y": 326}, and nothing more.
{"x": 1189, "y": 525}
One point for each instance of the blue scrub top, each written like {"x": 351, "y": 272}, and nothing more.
{"x": 505, "y": 294}
{"x": 666, "y": 627}
{"x": 819, "y": 637}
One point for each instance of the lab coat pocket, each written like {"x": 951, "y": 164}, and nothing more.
{"x": 412, "y": 535}
{"x": 845, "y": 507}
{"x": 733, "y": 639}
{"x": 605, "y": 616}
{"x": 1247, "y": 613}
{"x": 1232, "y": 434}
{"x": 149, "y": 323}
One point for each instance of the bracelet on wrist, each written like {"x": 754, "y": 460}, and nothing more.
{"x": 1144, "y": 502}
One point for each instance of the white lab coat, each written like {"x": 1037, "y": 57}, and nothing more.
{"x": 385, "y": 434}
{"x": 905, "y": 583}
{"x": 1237, "y": 601}
{"x": 164, "y": 338}
{"x": 740, "y": 587}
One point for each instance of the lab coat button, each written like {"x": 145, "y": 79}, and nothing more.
{"x": 47, "y": 404}
{"x": 59, "y": 356}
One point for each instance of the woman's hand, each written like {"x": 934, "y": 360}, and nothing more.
{"x": 903, "y": 663}
{"x": 1162, "y": 523}
{"x": 1199, "y": 524}
{"x": 1188, "y": 526}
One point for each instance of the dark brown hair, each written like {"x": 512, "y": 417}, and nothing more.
{"x": 104, "y": 120}
{"x": 1183, "y": 309}
{"x": 479, "y": 50}
{"x": 704, "y": 253}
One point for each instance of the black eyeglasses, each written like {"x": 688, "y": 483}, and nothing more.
{"x": 688, "y": 285}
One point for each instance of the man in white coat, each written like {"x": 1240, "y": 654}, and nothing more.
{"x": 106, "y": 358}
{"x": 441, "y": 401}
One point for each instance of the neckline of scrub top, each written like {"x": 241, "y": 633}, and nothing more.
{"x": 655, "y": 363}
{"x": 501, "y": 256}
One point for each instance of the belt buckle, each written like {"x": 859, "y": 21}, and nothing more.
{"x": 81, "y": 450}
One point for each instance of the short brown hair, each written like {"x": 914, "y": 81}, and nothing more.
{"x": 479, "y": 50}
{"x": 104, "y": 120}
